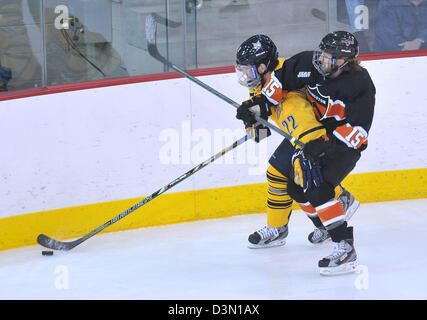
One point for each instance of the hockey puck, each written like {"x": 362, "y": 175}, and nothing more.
{"x": 47, "y": 253}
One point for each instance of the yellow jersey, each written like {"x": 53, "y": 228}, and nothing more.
{"x": 294, "y": 113}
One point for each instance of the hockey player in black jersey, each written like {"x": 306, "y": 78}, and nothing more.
{"x": 342, "y": 95}
{"x": 257, "y": 62}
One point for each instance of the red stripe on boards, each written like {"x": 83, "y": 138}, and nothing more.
{"x": 170, "y": 75}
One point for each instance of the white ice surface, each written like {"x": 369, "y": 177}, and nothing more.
{"x": 209, "y": 260}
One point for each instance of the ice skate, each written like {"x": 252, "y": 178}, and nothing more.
{"x": 268, "y": 237}
{"x": 319, "y": 235}
{"x": 343, "y": 258}
{"x": 349, "y": 204}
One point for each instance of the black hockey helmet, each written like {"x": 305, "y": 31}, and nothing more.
{"x": 250, "y": 54}
{"x": 256, "y": 50}
{"x": 340, "y": 44}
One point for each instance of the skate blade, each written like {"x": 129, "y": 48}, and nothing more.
{"x": 351, "y": 210}
{"x": 349, "y": 267}
{"x": 276, "y": 243}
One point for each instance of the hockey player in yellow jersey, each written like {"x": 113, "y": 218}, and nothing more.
{"x": 257, "y": 63}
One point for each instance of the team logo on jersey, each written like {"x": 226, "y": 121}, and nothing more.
{"x": 278, "y": 108}
{"x": 324, "y": 106}
{"x": 315, "y": 94}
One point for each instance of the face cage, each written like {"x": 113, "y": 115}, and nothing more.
{"x": 318, "y": 64}
{"x": 247, "y": 76}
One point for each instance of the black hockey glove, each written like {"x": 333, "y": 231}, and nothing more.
{"x": 258, "y": 105}
{"x": 305, "y": 173}
{"x": 316, "y": 149}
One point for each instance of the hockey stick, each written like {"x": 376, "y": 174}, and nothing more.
{"x": 151, "y": 29}
{"x": 50, "y": 243}
{"x": 166, "y": 22}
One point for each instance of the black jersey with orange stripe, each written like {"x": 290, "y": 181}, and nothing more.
{"x": 344, "y": 105}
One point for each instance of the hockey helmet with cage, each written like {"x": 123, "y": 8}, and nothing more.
{"x": 251, "y": 53}
{"x": 339, "y": 44}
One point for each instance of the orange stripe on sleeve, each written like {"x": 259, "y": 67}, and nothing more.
{"x": 353, "y": 137}
{"x": 273, "y": 89}
{"x": 336, "y": 109}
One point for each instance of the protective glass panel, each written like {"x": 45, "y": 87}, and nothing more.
{"x": 49, "y": 42}
{"x": 20, "y": 45}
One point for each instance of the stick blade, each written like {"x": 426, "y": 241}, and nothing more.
{"x": 166, "y": 22}
{"x": 53, "y": 244}
{"x": 150, "y": 29}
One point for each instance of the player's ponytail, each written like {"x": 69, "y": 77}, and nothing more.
{"x": 353, "y": 65}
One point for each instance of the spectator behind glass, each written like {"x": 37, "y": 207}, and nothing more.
{"x": 359, "y": 15}
{"x": 5, "y": 76}
{"x": 67, "y": 49}
{"x": 400, "y": 25}
{"x": 16, "y": 51}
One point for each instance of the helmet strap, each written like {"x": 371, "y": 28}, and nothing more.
{"x": 341, "y": 66}
{"x": 263, "y": 73}
{"x": 255, "y": 71}
{"x": 334, "y": 67}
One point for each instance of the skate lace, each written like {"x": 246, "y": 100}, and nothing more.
{"x": 339, "y": 249}
{"x": 268, "y": 232}
{"x": 318, "y": 234}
